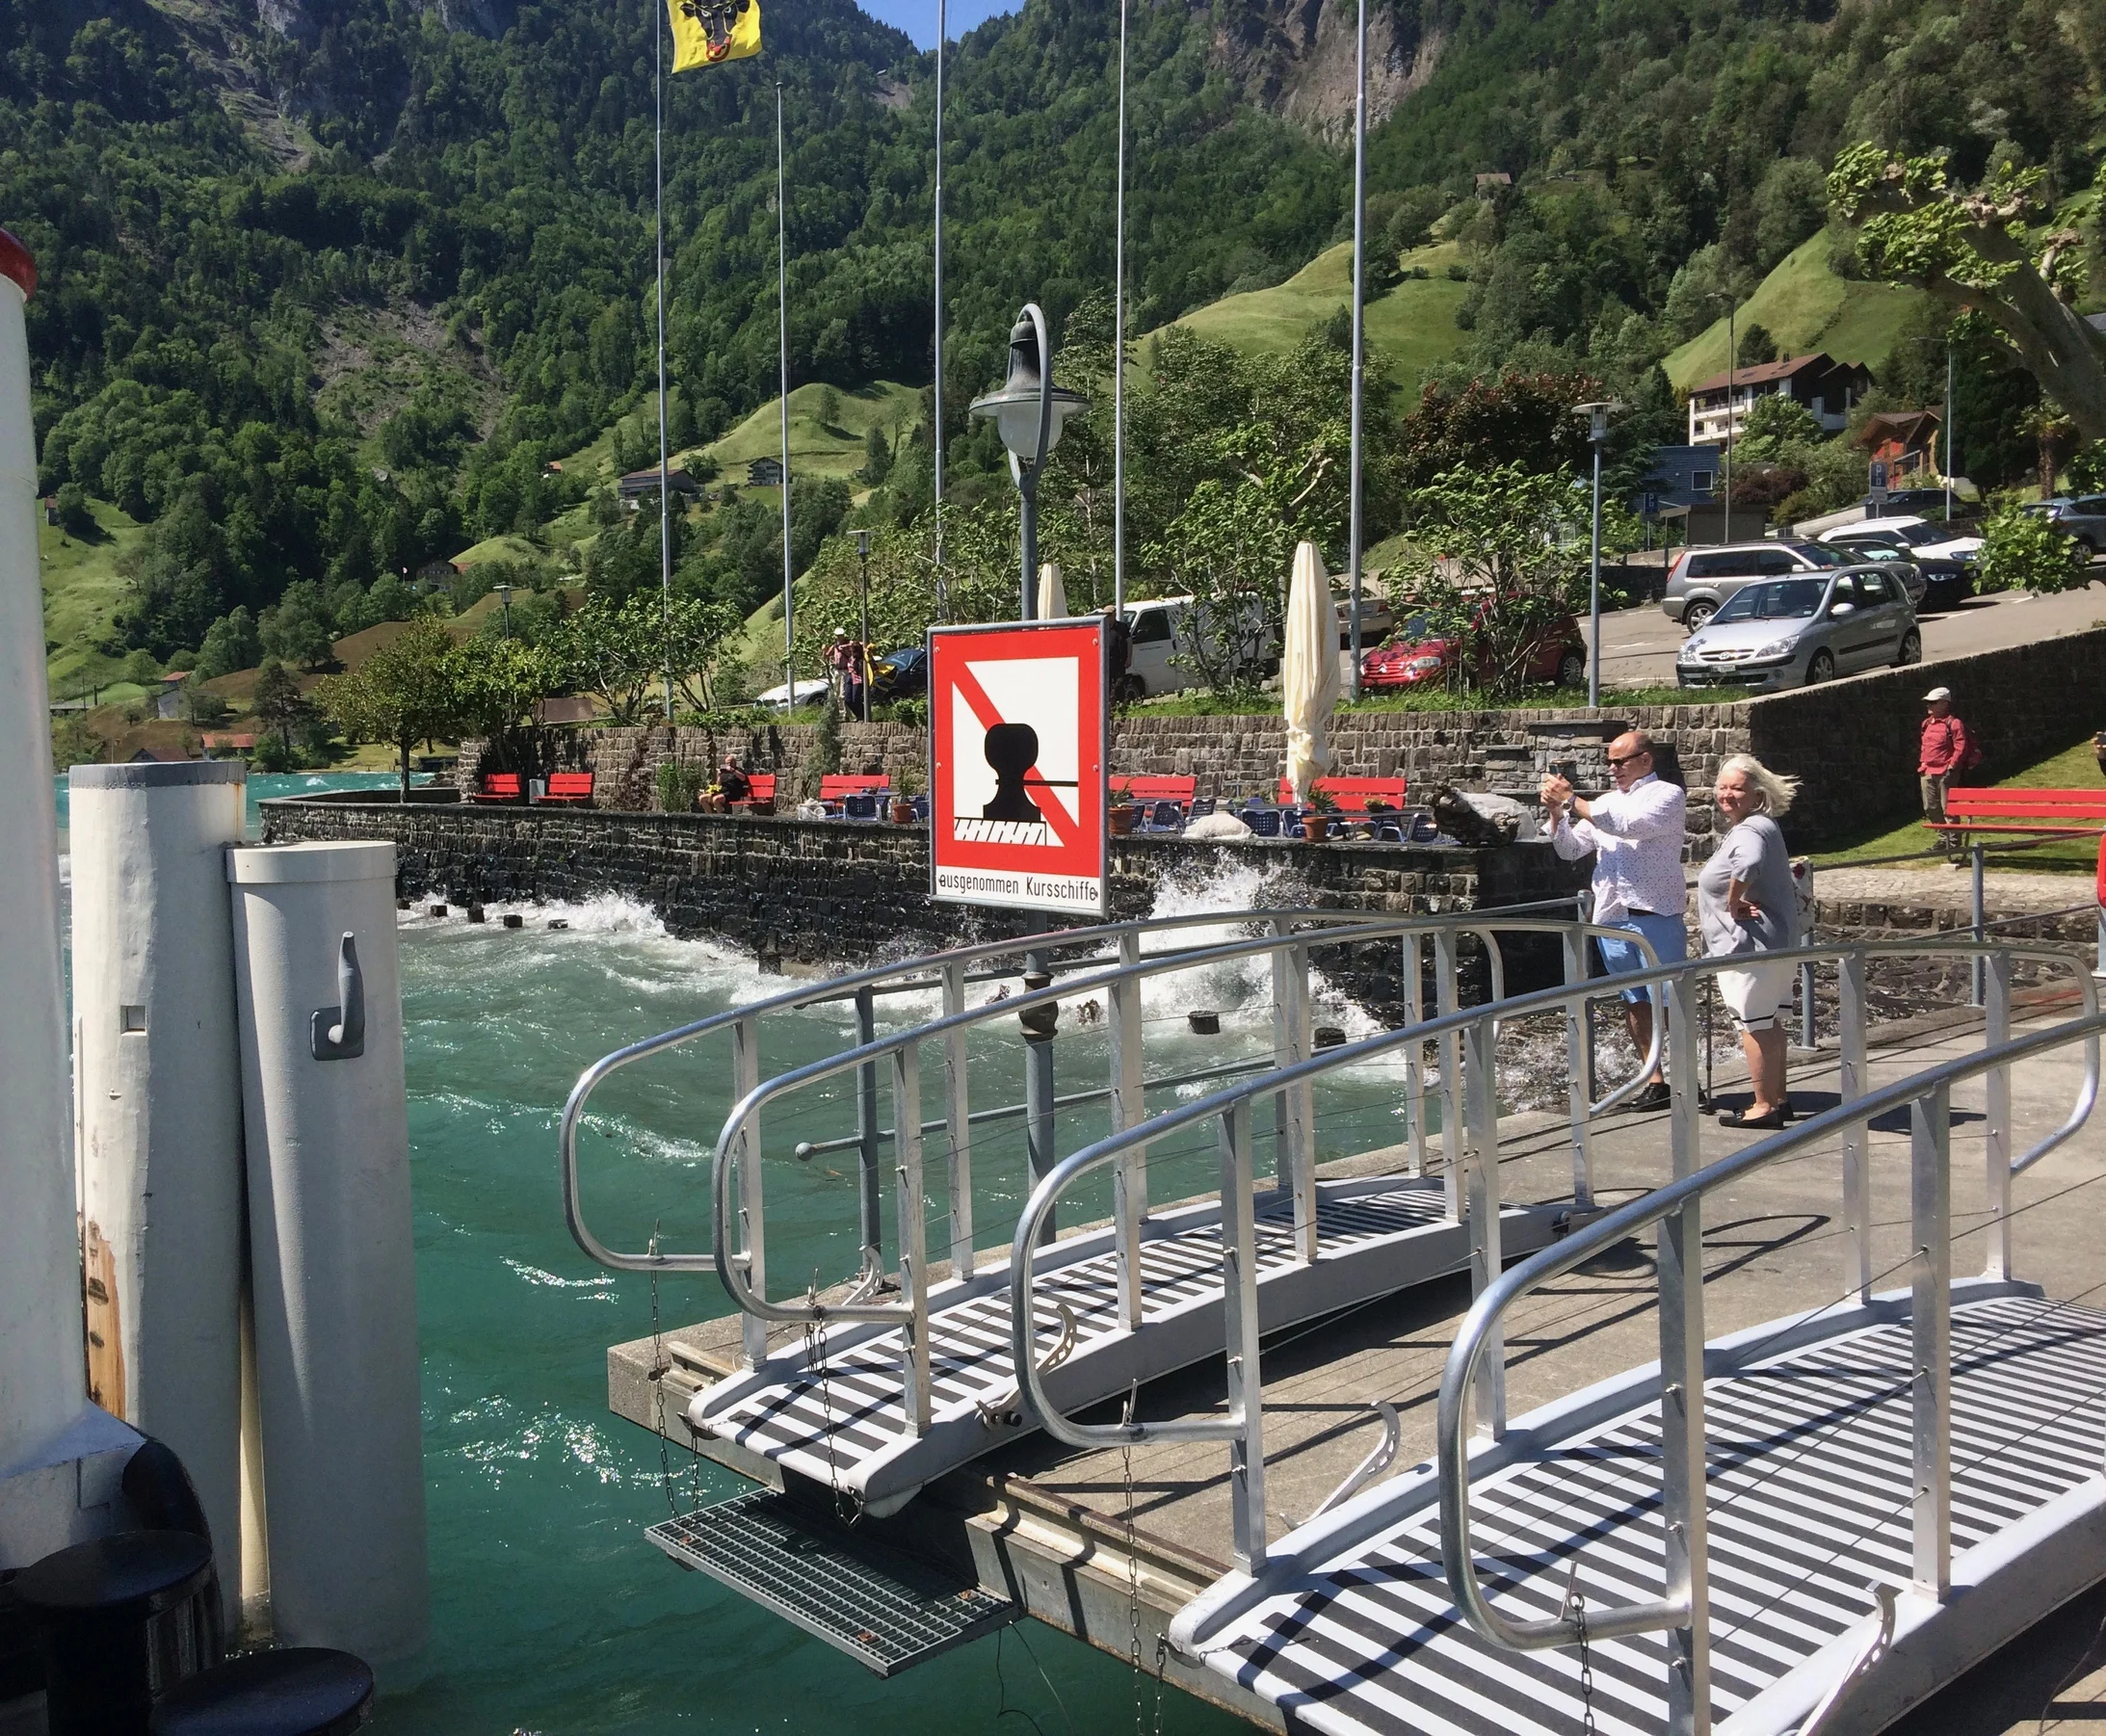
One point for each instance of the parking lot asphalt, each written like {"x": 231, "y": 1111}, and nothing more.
{"x": 1638, "y": 645}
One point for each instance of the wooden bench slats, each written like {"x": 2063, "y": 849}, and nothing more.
{"x": 1352, "y": 791}
{"x": 2006, "y": 810}
{"x": 1141, "y": 788}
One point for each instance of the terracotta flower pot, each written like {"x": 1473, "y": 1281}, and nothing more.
{"x": 1316, "y": 827}
{"x": 903, "y": 811}
{"x": 1123, "y": 818}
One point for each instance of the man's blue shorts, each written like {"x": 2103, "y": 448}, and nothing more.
{"x": 1669, "y": 941}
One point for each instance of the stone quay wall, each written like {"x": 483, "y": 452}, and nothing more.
{"x": 1851, "y": 741}
{"x": 826, "y": 893}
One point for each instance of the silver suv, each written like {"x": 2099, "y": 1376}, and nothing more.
{"x": 1803, "y": 628}
{"x": 1703, "y": 578}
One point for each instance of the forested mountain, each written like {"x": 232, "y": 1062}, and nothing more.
{"x": 327, "y": 282}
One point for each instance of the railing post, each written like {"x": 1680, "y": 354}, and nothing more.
{"x": 753, "y": 1232}
{"x": 1578, "y": 1102}
{"x": 1680, "y": 1253}
{"x": 1979, "y": 913}
{"x": 1039, "y": 1104}
{"x": 867, "y": 1135}
{"x": 1808, "y": 1030}
{"x": 914, "y": 1234}
{"x": 1291, "y": 1038}
{"x": 1240, "y": 1337}
{"x": 1414, "y": 1056}
{"x": 1851, "y": 1081}
{"x": 1996, "y": 1104}
{"x": 1130, "y": 1168}
{"x": 957, "y": 1124}
{"x": 1930, "y": 1314}
{"x": 1448, "y": 993}
{"x": 1481, "y": 1092}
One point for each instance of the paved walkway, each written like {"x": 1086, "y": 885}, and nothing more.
{"x": 1943, "y": 886}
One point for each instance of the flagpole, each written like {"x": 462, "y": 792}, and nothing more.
{"x": 1360, "y": 259}
{"x": 665, "y": 493}
{"x": 940, "y": 28}
{"x": 782, "y": 317}
{"x": 1119, "y": 350}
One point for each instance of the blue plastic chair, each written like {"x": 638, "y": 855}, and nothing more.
{"x": 859, "y": 807}
{"x": 921, "y": 806}
{"x": 1165, "y": 816}
{"x": 1263, "y": 822}
{"x": 1201, "y": 806}
{"x": 1290, "y": 824}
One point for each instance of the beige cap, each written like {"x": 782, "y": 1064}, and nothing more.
{"x": 1938, "y": 693}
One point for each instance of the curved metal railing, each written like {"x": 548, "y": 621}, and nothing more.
{"x": 1234, "y": 1105}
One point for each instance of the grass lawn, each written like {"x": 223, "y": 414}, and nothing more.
{"x": 1805, "y": 306}
{"x": 1413, "y": 325}
{"x": 81, "y": 587}
{"x": 817, "y": 448}
{"x": 2074, "y": 769}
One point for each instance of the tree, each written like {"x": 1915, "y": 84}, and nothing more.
{"x": 406, "y": 692}
{"x": 278, "y": 702}
{"x": 2024, "y": 551}
{"x": 300, "y": 630}
{"x": 496, "y": 684}
{"x": 1777, "y": 429}
{"x": 1523, "y": 419}
{"x": 1974, "y": 249}
{"x": 1756, "y": 346}
{"x": 230, "y": 644}
{"x": 623, "y": 651}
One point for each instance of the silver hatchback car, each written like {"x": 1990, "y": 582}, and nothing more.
{"x": 1796, "y": 630}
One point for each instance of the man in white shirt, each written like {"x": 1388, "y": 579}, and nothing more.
{"x": 1635, "y": 833}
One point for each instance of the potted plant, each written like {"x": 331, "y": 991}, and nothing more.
{"x": 1316, "y": 817}
{"x": 1124, "y": 816}
{"x": 906, "y": 786}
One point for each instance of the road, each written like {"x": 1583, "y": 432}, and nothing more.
{"x": 1638, "y": 645}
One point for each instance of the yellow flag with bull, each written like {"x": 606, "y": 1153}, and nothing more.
{"x": 708, "y": 32}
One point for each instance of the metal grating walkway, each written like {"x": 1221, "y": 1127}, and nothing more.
{"x": 1810, "y": 1482}
{"x": 843, "y": 1427}
{"x": 886, "y": 1610}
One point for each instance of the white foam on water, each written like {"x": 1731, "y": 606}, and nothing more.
{"x": 601, "y": 1286}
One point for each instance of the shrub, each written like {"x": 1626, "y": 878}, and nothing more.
{"x": 2024, "y": 551}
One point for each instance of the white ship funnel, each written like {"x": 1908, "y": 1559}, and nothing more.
{"x": 46, "y": 1424}
{"x": 326, "y": 1129}
{"x": 159, "y": 1079}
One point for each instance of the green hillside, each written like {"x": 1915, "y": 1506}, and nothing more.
{"x": 82, "y": 586}
{"x": 1805, "y": 306}
{"x": 819, "y": 448}
{"x": 1413, "y": 325}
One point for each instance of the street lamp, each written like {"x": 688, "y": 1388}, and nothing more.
{"x": 1732, "y": 361}
{"x": 504, "y": 603}
{"x": 1028, "y": 414}
{"x": 1597, "y": 433}
{"x": 862, "y": 556}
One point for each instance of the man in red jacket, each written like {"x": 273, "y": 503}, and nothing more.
{"x": 1945, "y": 750}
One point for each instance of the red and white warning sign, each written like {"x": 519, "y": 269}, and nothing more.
{"x": 1016, "y": 728}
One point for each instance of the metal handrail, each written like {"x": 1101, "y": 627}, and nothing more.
{"x": 1484, "y": 925}
{"x": 837, "y": 989}
{"x": 1233, "y": 1106}
{"x": 1481, "y": 1325}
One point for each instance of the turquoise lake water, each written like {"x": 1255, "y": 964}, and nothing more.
{"x": 551, "y": 1614}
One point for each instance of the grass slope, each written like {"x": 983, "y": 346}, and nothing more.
{"x": 1413, "y": 325}
{"x": 1807, "y": 307}
{"x": 2075, "y": 767}
{"x": 816, "y": 448}
{"x": 82, "y": 585}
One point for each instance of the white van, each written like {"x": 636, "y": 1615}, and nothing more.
{"x": 1160, "y": 630}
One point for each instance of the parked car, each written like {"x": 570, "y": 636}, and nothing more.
{"x": 778, "y": 697}
{"x": 1417, "y": 653}
{"x": 2083, "y": 518}
{"x": 1377, "y": 619}
{"x": 1946, "y": 560}
{"x": 1799, "y": 630}
{"x": 1703, "y": 578}
{"x": 902, "y": 674}
{"x": 1161, "y": 659}
{"x": 1903, "y": 501}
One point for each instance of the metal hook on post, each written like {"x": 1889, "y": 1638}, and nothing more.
{"x": 338, "y": 1032}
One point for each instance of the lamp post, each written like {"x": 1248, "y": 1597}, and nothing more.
{"x": 504, "y": 603}
{"x": 1732, "y": 359}
{"x": 1597, "y": 433}
{"x": 862, "y": 630}
{"x": 1028, "y": 413}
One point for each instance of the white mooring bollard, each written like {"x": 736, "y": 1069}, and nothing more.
{"x": 157, "y": 1081}
{"x": 59, "y": 1454}
{"x": 327, "y": 1134}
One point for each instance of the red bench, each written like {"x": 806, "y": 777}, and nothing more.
{"x": 497, "y": 786}
{"x": 1352, "y": 794}
{"x": 569, "y": 786}
{"x": 761, "y": 786}
{"x": 835, "y": 786}
{"x": 2052, "y": 813}
{"x": 1179, "y": 790}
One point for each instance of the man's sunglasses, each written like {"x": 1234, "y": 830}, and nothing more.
{"x": 1626, "y": 758}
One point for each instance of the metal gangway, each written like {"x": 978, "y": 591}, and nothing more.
{"x": 905, "y": 1368}
{"x": 1804, "y": 1526}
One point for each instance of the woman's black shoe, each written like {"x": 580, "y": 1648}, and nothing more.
{"x": 1766, "y": 1123}
{"x": 1655, "y": 1095}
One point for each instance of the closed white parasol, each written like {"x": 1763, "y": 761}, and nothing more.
{"x": 1052, "y": 593}
{"x": 1308, "y": 670}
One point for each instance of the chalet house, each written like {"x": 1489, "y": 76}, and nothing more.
{"x": 642, "y": 485}
{"x": 1824, "y": 385}
{"x": 1905, "y": 442}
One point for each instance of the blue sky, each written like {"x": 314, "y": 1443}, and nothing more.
{"x": 918, "y": 17}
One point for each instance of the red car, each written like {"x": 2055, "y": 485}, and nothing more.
{"x": 1416, "y": 654}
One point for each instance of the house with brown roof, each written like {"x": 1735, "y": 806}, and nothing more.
{"x": 1824, "y": 385}
{"x": 1905, "y": 442}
